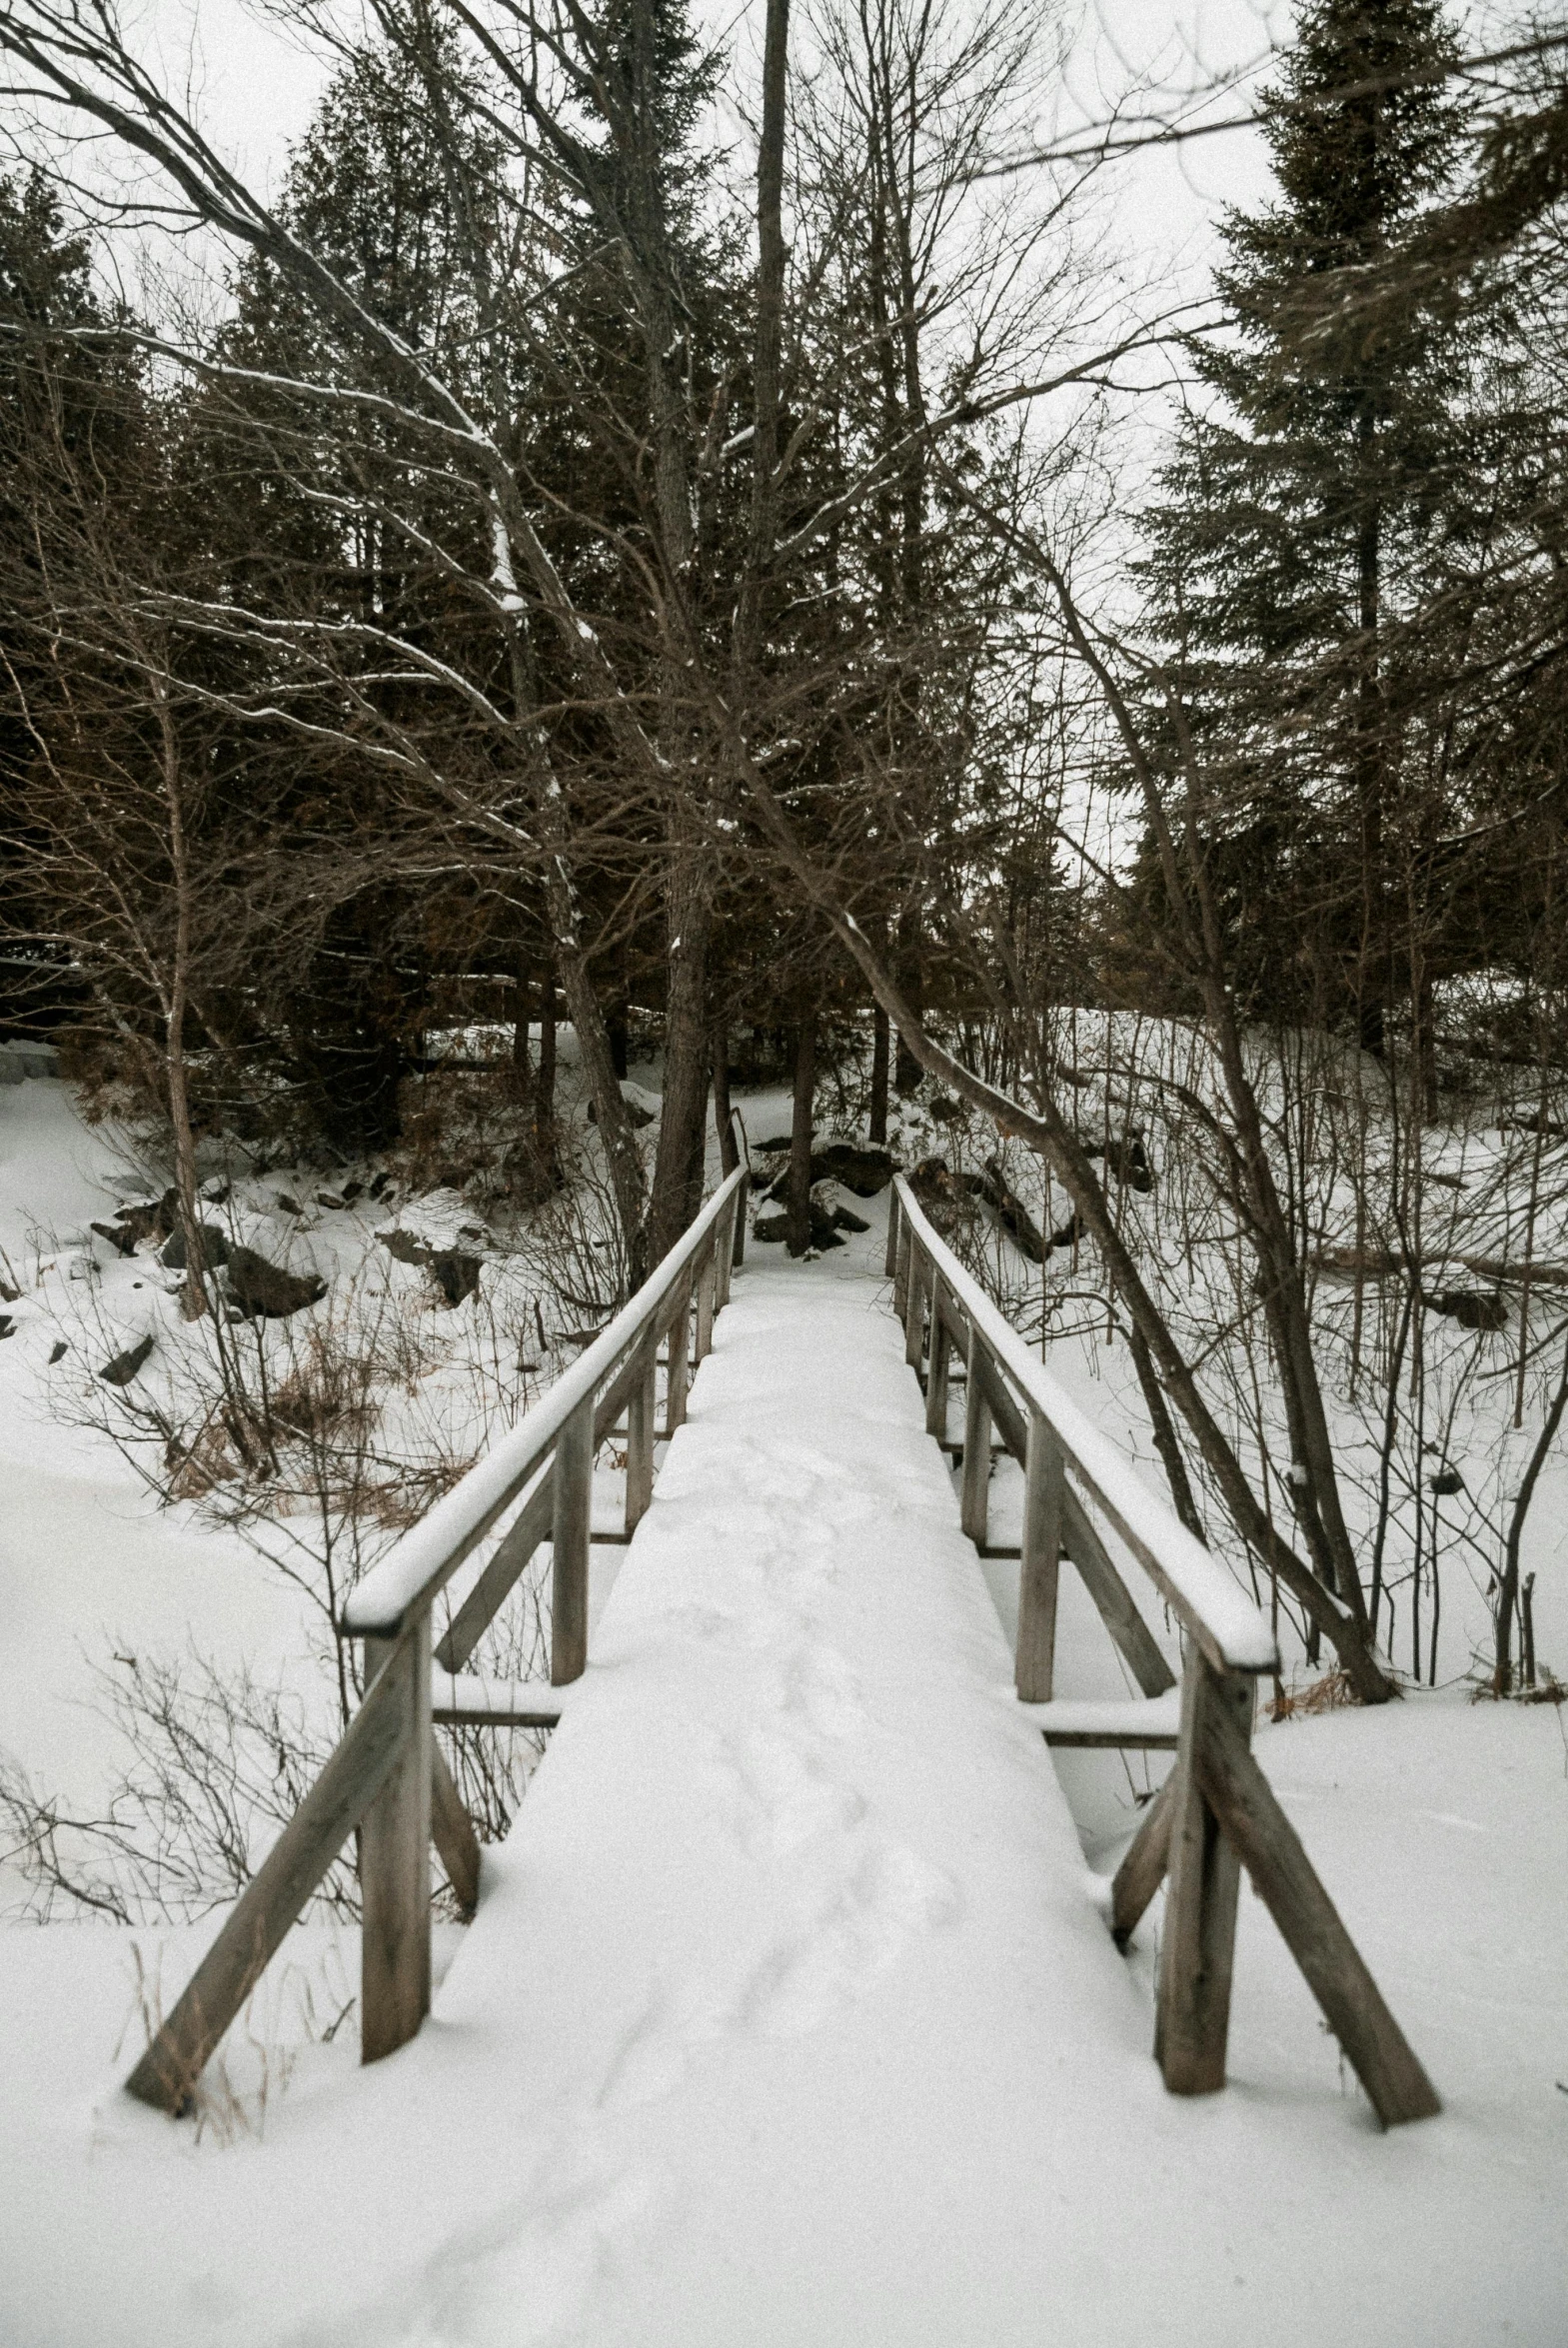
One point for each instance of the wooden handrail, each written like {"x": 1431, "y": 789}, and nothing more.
{"x": 386, "y": 1776}
{"x": 1232, "y": 1630}
{"x": 418, "y": 1565}
{"x": 1216, "y": 1812}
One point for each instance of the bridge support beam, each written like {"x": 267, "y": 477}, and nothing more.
{"x": 395, "y": 1858}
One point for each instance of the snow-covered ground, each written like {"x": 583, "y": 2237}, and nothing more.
{"x": 790, "y": 2015}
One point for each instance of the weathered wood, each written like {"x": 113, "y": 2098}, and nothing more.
{"x": 891, "y": 1258}
{"x": 1113, "y": 1741}
{"x": 1080, "y": 1541}
{"x": 642, "y": 1423}
{"x": 1198, "y": 1948}
{"x": 901, "y": 1267}
{"x": 723, "y": 1254}
{"x": 1039, "y": 1564}
{"x": 707, "y": 1283}
{"x": 1135, "y": 1640}
{"x": 395, "y": 1857}
{"x": 975, "y": 1490}
{"x": 270, "y": 1901}
{"x": 570, "y": 1537}
{"x": 452, "y": 1830}
{"x": 1256, "y": 1828}
{"x": 490, "y": 1592}
{"x": 1143, "y": 1864}
{"x": 679, "y": 1375}
{"x": 914, "y": 1313}
{"x": 937, "y": 1367}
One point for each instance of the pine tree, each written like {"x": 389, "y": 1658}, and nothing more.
{"x": 1301, "y": 498}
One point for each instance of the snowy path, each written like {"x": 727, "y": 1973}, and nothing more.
{"x": 788, "y": 2019}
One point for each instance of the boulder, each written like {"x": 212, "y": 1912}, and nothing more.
{"x": 1471, "y": 1307}
{"x": 11, "y": 1070}
{"x": 863, "y": 1167}
{"x": 124, "y": 1367}
{"x": 214, "y": 1249}
{"x": 266, "y": 1292}
{"x": 119, "y": 1235}
{"x": 148, "y": 1218}
{"x": 442, "y": 1234}
{"x": 777, "y": 1226}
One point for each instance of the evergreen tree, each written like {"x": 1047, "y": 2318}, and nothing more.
{"x": 1304, "y": 498}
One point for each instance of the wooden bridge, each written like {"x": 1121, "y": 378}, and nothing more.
{"x": 794, "y": 1762}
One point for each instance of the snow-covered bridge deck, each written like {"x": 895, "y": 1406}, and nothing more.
{"x": 789, "y": 2013}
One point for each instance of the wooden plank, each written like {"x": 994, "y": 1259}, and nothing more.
{"x": 900, "y": 1276}
{"x": 1113, "y": 1741}
{"x": 490, "y": 1592}
{"x": 937, "y": 1367}
{"x": 732, "y": 1245}
{"x": 1136, "y": 1642}
{"x": 1143, "y": 1864}
{"x": 679, "y": 1376}
{"x": 1039, "y": 1565}
{"x": 707, "y": 1285}
{"x": 974, "y": 1493}
{"x": 915, "y": 1315}
{"x": 890, "y": 1259}
{"x": 452, "y": 1830}
{"x": 395, "y": 1858}
{"x": 569, "y": 1536}
{"x": 642, "y": 1415}
{"x": 1198, "y": 1948}
{"x": 1255, "y": 1826}
{"x": 270, "y": 1904}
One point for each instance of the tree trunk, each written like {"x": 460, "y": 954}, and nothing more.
{"x": 879, "y": 1123}
{"x": 545, "y": 1090}
{"x": 911, "y": 985}
{"x": 522, "y": 1058}
{"x": 728, "y": 1147}
{"x": 798, "y": 1225}
{"x": 688, "y": 916}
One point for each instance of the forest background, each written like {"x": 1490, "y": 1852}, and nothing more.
{"x": 717, "y": 596}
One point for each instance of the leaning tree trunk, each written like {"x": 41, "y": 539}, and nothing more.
{"x": 799, "y": 1221}
{"x": 688, "y": 915}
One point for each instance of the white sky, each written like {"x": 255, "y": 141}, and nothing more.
{"x": 256, "y": 87}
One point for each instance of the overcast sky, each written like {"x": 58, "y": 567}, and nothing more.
{"x": 257, "y": 86}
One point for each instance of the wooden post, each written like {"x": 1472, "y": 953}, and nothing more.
{"x": 642, "y": 1423}
{"x": 1197, "y": 1950}
{"x": 900, "y": 1278}
{"x": 723, "y": 1251}
{"x": 975, "y": 1491}
{"x": 574, "y": 1498}
{"x": 679, "y": 1375}
{"x": 1143, "y": 1864}
{"x": 936, "y": 1369}
{"x": 1045, "y": 1479}
{"x": 1282, "y": 1874}
{"x": 915, "y": 1315}
{"x": 707, "y": 1285}
{"x": 296, "y": 1863}
{"x": 451, "y": 1831}
{"x": 890, "y": 1259}
{"x": 395, "y": 1859}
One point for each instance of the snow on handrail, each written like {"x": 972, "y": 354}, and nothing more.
{"x": 430, "y": 1552}
{"x": 1197, "y": 1586}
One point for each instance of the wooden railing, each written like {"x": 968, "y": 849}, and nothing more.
{"x": 387, "y": 1776}
{"x": 1216, "y": 1812}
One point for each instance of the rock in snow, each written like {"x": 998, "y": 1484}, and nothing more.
{"x": 265, "y": 1292}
